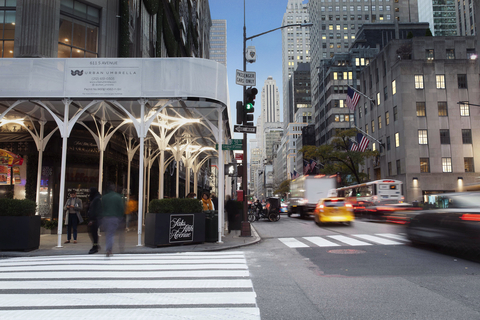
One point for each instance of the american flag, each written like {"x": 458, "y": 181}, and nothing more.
{"x": 313, "y": 163}
{"x": 361, "y": 144}
{"x": 306, "y": 167}
{"x": 352, "y": 99}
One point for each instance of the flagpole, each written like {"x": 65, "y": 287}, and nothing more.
{"x": 369, "y": 136}
{"x": 362, "y": 94}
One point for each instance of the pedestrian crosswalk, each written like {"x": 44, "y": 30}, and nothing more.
{"x": 345, "y": 240}
{"x": 213, "y": 285}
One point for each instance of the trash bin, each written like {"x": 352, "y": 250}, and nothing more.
{"x": 211, "y": 226}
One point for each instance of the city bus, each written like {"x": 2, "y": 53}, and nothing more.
{"x": 373, "y": 191}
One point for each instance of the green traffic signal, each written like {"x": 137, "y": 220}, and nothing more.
{"x": 249, "y": 106}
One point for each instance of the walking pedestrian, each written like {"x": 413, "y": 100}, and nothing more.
{"x": 73, "y": 206}
{"x": 112, "y": 213}
{"x": 94, "y": 215}
{"x": 132, "y": 207}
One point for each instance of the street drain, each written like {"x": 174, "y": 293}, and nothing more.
{"x": 346, "y": 251}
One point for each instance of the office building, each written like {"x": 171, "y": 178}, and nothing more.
{"x": 218, "y": 41}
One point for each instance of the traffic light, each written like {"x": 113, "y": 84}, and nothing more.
{"x": 250, "y": 94}
{"x": 240, "y": 113}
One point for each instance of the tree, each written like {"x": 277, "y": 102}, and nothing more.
{"x": 428, "y": 33}
{"x": 337, "y": 157}
{"x": 284, "y": 187}
{"x": 410, "y": 35}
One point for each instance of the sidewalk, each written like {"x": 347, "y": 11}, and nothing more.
{"x": 48, "y": 245}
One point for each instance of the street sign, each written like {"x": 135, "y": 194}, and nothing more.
{"x": 230, "y": 147}
{"x": 235, "y": 141}
{"x": 245, "y": 129}
{"x": 238, "y": 156}
{"x": 245, "y": 78}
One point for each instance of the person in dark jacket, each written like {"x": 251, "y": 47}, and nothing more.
{"x": 233, "y": 215}
{"x": 214, "y": 201}
{"x": 94, "y": 215}
{"x": 113, "y": 210}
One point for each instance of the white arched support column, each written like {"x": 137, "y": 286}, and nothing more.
{"x": 218, "y": 133}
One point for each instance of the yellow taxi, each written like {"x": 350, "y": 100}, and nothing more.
{"x": 333, "y": 210}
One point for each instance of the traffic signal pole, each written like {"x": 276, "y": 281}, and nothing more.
{"x": 246, "y": 230}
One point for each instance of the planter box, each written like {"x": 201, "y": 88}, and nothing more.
{"x": 20, "y": 233}
{"x": 167, "y": 229}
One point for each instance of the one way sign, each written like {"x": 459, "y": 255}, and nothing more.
{"x": 245, "y": 129}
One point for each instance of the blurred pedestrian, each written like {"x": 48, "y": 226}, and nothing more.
{"x": 233, "y": 215}
{"x": 132, "y": 207}
{"x": 112, "y": 211}
{"x": 73, "y": 206}
{"x": 94, "y": 216}
{"x": 206, "y": 202}
{"x": 192, "y": 195}
{"x": 214, "y": 201}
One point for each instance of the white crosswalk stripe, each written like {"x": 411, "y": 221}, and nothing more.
{"x": 345, "y": 240}
{"x": 170, "y": 286}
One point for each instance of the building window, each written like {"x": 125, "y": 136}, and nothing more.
{"x": 399, "y": 167}
{"x": 421, "y": 111}
{"x": 78, "y": 31}
{"x": 429, "y": 55}
{"x": 395, "y": 114}
{"x": 450, "y": 53}
{"x": 440, "y": 79}
{"x": 397, "y": 139}
{"x": 447, "y": 164}
{"x": 360, "y": 113}
{"x": 419, "y": 81}
{"x": 385, "y": 94}
{"x": 422, "y": 136}
{"x": 366, "y": 109}
{"x": 387, "y": 118}
{"x": 373, "y": 126}
{"x": 7, "y": 31}
{"x": 464, "y": 110}
{"x": 379, "y": 122}
{"x": 462, "y": 81}
{"x": 388, "y": 143}
{"x": 394, "y": 88}
{"x": 468, "y": 162}
{"x": 442, "y": 109}
{"x": 424, "y": 165}
{"x": 390, "y": 169}
{"x": 366, "y": 129}
{"x": 444, "y": 136}
{"x": 467, "y": 136}
{"x": 378, "y": 98}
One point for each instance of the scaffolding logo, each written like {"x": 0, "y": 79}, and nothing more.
{"x": 76, "y": 72}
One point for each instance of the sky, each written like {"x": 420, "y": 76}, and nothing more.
{"x": 260, "y": 16}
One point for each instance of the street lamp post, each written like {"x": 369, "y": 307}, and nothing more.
{"x": 246, "y": 230}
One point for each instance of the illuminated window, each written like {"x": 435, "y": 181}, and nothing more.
{"x": 397, "y": 140}
{"x": 424, "y": 165}
{"x": 373, "y": 126}
{"x": 387, "y": 118}
{"x": 78, "y": 31}
{"x": 464, "y": 110}
{"x": 442, "y": 109}
{"x": 419, "y": 81}
{"x": 421, "y": 110}
{"x": 440, "y": 80}
{"x": 394, "y": 87}
{"x": 447, "y": 164}
{"x": 378, "y": 98}
{"x": 379, "y": 122}
{"x": 422, "y": 136}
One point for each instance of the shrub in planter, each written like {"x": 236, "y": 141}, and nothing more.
{"x": 19, "y": 226}
{"x": 17, "y": 208}
{"x": 175, "y": 205}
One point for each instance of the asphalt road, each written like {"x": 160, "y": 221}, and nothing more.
{"x": 366, "y": 271}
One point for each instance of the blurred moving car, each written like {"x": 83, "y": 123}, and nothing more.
{"x": 455, "y": 223}
{"x": 389, "y": 211}
{"x": 333, "y": 210}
